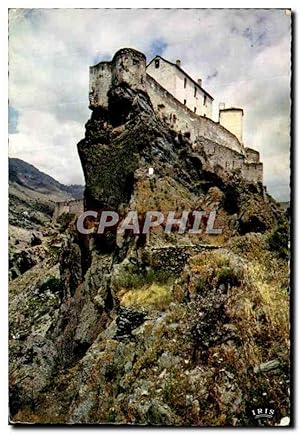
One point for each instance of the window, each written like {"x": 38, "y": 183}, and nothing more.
{"x": 195, "y": 108}
{"x": 156, "y": 63}
{"x": 184, "y": 101}
{"x": 195, "y": 91}
{"x": 204, "y": 100}
{"x": 184, "y": 83}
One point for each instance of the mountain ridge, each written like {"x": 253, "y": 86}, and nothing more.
{"x": 33, "y": 194}
{"x": 39, "y": 178}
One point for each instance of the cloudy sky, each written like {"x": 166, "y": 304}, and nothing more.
{"x": 242, "y": 56}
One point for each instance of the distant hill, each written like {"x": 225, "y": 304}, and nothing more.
{"x": 32, "y": 194}
{"x": 29, "y": 176}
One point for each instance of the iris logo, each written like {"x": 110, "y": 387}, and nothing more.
{"x": 263, "y": 413}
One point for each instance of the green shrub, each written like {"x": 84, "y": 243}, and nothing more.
{"x": 131, "y": 280}
{"x": 228, "y": 276}
{"x": 64, "y": 220}
{"x": 213, "y": 270}
{"x": 53, "y": 284}
{"x": 278, "y": 241}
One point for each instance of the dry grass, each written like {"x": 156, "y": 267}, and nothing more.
{"x": 254, "y": 304}
{"x": 260, "y": 310}
{"x": 154, "y": 297}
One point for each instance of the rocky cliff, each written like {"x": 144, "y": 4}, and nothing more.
{"x": 163, "y": 329}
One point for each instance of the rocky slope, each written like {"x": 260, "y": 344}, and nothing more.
{"x": 163, "y": 329}
{"x": 32, "y": 194}
{"x": 32, "y": 197}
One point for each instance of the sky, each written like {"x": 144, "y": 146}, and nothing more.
{"x": 242, "y": 56}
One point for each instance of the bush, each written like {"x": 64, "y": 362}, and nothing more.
{"x": 53, "y": 284}
{"x": 131, "y": 280}
{"x": 213, "y": 270}
{"x": 64, "y": 220}
{"x": 152, "y": 289}
{"x": 278, "y": 241}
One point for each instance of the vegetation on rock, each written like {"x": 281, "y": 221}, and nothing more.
{"x": 161, "y": 329}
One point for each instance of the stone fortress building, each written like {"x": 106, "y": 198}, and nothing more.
{"x": 74, "y": 206}
{"x": 176, "y": 81}
{"x": 184, "y": 104}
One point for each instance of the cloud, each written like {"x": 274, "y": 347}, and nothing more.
{"x": 245, "y": 55}
{"x": 49, "y": 144}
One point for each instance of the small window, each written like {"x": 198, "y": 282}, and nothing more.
{"x": 184, "y": 101}
{"x": 184, "y": 83}
{"x": 195, "y": 108}
{"x": 195, "y": 91}
{"x": 204, "y": 100}
{"x": 156, "y": 63}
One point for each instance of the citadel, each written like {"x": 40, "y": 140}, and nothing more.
{"x": 184, "y": 104}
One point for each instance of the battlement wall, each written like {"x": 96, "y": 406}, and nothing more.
{"x": 183, "y": 119}
{"x": 221, "y": 157}
{"x": 129, "y": 66}
{"x": 252, "y": 155}
{"x": 68, "y": 207}
{"x": 221, "y": 146}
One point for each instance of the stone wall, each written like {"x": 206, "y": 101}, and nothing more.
{"x": 178, "y": 84}
{"x": 68, "y": 206}
{"x": 229, "y": 160}
{"x": 182, "y": 119}
{"x": 252, "y": 155}
{"x": 220, "y": 156}
{"x": 172, "y": 259}
{"x": 99, "y": 85}
{"x": 127, "y": 66}
{"x": 221, "y": 146}
{"x": 252, "y": 172}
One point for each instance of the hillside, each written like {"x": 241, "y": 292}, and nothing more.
{"x": 32, "y": 194}
{"x": 157, "y": 328}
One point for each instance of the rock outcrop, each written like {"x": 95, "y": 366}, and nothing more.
{"x": 162, "y": 330}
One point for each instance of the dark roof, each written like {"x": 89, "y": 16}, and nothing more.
{"x": 231, "y": 109}
{"x": 252, "y": 150}
{"x": 180, "y": 69}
